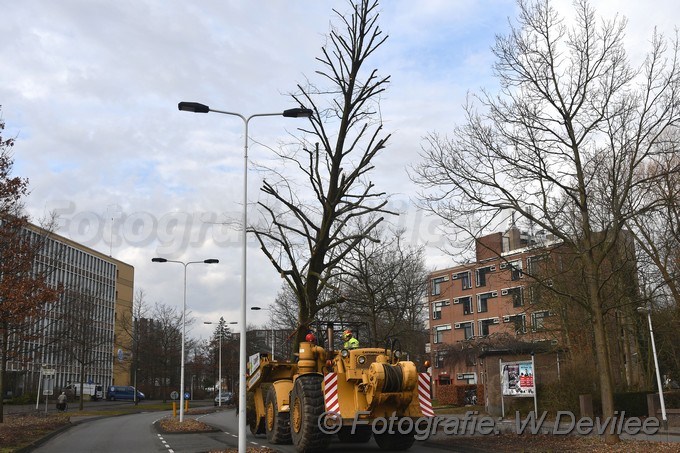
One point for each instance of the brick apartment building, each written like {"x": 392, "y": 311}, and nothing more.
{"x": 479, "y": 299}
{"x": 492, "y": 301}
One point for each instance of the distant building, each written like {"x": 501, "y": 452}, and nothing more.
{"x": 491, "y": 307}
{"x": 110, "y": 284}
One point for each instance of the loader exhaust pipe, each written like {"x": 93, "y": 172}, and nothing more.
{"x": 329, "y": 336}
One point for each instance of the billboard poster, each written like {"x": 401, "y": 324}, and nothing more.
{"x": 517, "y": 379}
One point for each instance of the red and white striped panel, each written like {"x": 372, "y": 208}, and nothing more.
{"x": 330, "y": 393}
{"x": 424, "y": 394}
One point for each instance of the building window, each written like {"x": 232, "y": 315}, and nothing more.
{"x": 519, "y": 322}
{"x": 437, "y": 308}
{"x": 438, "y": 333}
{"x": 484, "y": 326}
{"x": 467, "y": 304}
{"x": 516, "y": 270}
{"x": 439, "y": 360}
{"x": 538, "y": 319}
{"x": 483, "y": 301}
{"x": 534, "y": 264}
{"x": 517, "y": 295}
{"x": 437, "y": 285}
{"x": 468, "y": 329}
{"x": 480, "y": 274}
{"x": 464, "y": 278}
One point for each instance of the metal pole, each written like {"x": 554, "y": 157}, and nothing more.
{"x": 184, "y": 312}
{"x": 658, "y": 374}
{"x": 244, "y": 263}
{"x": 242, "y": 342}
{"x": 37, "y": 397}
{"x": 219, "y": 388}
{"x": 181, "y": 377}
{"x": 296, "y": 113}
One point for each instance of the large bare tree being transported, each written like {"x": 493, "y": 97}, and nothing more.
{"x": 306, "y": 239}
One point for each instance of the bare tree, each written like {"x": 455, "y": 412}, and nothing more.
{"x": 305, "y": 240}
{"x": 159, "y": 349}
{"x": 24, "y": 287}
{"x": 84, "y": 336}
{"x": 384, "y": 284}
{"x": 128, "y": 324}
{"x": 221, "y": 335}
{"x": 561, "y": 144}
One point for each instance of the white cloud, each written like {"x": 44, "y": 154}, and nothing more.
{"x": 90, "y": 87}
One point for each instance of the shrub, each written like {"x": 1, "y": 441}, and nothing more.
{"x": 633, "y": 403}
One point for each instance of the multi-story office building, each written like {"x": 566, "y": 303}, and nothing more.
{"x": 88, "y": 277}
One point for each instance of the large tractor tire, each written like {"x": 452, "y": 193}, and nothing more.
{"x": 256, "y": 426}
{"x": 306, "y": 407}
{"x": 277, "y": 424}
{"x": 394, "y": 442}
{"x": 362, "y": 434}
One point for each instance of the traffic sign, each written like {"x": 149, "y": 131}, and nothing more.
{"x": 174, "y": 395}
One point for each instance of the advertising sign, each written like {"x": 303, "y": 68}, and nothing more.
{"x": 517, "y": 379}
{"x": 254, "y": 362}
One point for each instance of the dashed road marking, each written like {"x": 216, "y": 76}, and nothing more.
{"x": 165, "y": 444}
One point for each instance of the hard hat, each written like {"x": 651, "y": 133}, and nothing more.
{"x": 346, "y": 334}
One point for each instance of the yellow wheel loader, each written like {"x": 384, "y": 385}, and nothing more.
{"x": 353, "y": 393}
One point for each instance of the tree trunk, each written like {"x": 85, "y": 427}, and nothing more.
{"x": 3, "y": 368}
{"x": 603, "y": 365}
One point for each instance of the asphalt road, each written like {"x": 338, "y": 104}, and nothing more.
{"x": 136, "y": 433}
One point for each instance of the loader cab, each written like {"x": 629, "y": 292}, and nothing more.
{"x": 355, "y": 362}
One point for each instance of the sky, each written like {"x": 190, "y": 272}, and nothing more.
{"x": 89, "y": 89}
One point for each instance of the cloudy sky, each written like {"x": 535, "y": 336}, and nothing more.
{"x": 90, "y": 89}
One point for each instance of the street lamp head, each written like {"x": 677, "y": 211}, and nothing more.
{"x": 211, "y": 261}
{"x": 255, "y": 308}
{"x": 644, "y": 310}
{"x": 298, "y": 113}
{"x": 193, "y": 107}
{"x": 159, "y": 260}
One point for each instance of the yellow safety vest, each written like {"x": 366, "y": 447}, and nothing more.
{"x": 352, "y": 343}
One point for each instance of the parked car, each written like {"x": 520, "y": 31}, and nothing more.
{"x": 225, "y": 397}
{"x": 123, "y": 392}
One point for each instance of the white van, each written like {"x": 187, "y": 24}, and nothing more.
{"x": 95, "y": 391}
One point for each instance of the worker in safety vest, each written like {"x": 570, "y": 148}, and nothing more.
{"x": 350, "y": 341}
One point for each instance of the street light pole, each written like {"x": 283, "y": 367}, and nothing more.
{"x": 290, "y": 113}
{"x": 219, "y": 373}
{"x": 273, "y": 337}
{"x": 648, "y": 310}
{"x": 184, "y": 313}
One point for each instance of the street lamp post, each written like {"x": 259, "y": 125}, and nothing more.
{"x": 184, "y": 313}
{"x": 219, "y": 373}
{"x": 648, "y": 311}
{"x": 290, "y": 113}
{"x": 273, "y": 338}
